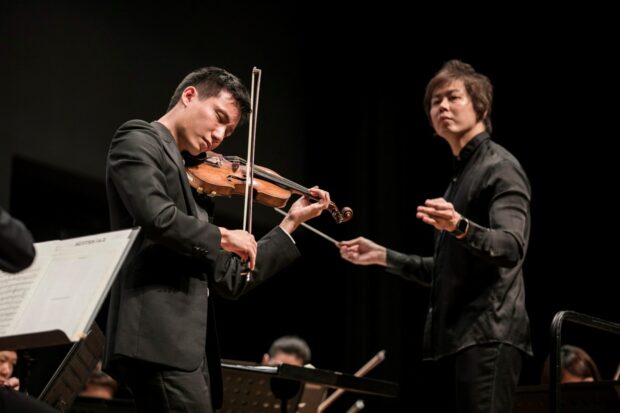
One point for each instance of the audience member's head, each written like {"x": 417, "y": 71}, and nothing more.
{"x": 576, "y": 364}
{"x": 288, "y": 350}
{"x": 99, "y": 385}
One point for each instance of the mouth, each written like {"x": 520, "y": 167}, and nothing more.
{"x": 205, "y": 145}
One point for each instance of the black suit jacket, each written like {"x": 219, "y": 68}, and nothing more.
{"x": 158, "y": 308}
{"x": 16, "y": 244}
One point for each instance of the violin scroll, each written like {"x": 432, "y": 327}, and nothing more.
{"x": 340, "y": 216}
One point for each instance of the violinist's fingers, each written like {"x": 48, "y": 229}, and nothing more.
{"x": 241, "y": 243}
{"x": 316, "y": 208}
{"x": 252, "y": 260}
{"x": 324, "y": 198}
{"x": 252, "y": 252}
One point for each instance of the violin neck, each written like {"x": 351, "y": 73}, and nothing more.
{"x": 283, "y": 182}
{"x": 274, "y": 179}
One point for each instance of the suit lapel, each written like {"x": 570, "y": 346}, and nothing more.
{"x": 172, "y": 150}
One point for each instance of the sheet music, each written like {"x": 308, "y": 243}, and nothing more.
{"x": 18, "y": 288}
{"x": 64, "y": 287}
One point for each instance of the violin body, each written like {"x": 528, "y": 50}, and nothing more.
{"x": 216, "y": 175}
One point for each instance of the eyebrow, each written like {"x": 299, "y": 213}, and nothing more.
{"x": 222, "y": 112}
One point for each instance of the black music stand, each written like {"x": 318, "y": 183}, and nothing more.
{"x": 74, "y": 371}
{"x": 257, "y": 392}
{"x": 591, "y": 397}
{"x": 278, "y": 389}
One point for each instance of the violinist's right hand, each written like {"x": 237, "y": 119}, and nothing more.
{"x": 241, "y": 243}
{"x": 362, "y": 251}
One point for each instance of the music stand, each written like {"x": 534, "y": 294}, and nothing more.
{"x": 278, "y": 389}
{"x": 591, "y": 397}
{"x": 73, "y": 373}
{"x": 253, "y": 392}
{"x": 311, "y": 397}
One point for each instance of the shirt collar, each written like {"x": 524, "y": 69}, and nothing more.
{"x": 469, "y": 148}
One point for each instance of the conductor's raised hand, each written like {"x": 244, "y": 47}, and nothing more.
{"x": 241, "y": 243}
{"x": 439, "y": 213}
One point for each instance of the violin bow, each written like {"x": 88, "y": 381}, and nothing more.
{"x": 310, "y": 228}
{"x": 249, "y": 178}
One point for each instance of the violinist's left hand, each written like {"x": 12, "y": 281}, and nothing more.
{"x": 304, "y": 209}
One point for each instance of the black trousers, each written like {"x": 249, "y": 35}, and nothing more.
{"x": 161, "y": 389}
{"x": 480, "y": 379}
{"x": 12, "y": 401}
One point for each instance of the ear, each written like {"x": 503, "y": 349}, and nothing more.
{"x": 188, "y": 94}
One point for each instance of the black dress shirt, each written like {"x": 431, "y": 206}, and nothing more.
{"x": 477, "y": 291}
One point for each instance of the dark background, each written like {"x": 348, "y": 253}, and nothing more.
{"x": 340, "y": 107}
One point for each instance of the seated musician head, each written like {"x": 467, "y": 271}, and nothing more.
{"x": 8, "y": 360}
{"x": 576, "y": 365}
{"x": 99, "y": 385}
{"x": 288, "y": 350}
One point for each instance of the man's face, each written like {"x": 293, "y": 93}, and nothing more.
{"x": 8, "y": 359}
{"x": 284, "y": 358}
{"x": 207, "y": 122}
{"x": 452, "y": 112}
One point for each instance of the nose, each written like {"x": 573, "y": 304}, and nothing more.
{"x": 443, "y": 104}
{"x": 218, "y": 134}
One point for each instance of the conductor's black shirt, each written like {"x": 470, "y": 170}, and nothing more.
{"x": 477, "y": 292}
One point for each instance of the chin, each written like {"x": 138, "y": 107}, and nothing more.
{"x": 198, "y": 150}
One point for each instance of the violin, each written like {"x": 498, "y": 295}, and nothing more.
{"x": 218, "y": 175}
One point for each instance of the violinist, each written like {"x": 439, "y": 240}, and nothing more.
{"x": 477, "y": 328}
{"x": 160, "y": 336}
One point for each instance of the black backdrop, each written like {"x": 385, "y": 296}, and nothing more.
{"x": 341, "y": 107}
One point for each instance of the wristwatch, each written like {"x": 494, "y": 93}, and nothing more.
{"x": 461, "y": 227}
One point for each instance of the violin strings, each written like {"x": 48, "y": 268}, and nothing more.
{"x": 280, "y": 180}
{"x": 286, "y": 183}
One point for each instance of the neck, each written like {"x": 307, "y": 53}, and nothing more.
{"x": 458, "y": 141}
{"x": 168, "y": 120}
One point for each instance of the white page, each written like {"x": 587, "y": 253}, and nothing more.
{"x": 74, "y": 283}
{"x": 16, "y": 289}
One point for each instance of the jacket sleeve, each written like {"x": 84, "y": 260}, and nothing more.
{"x": 136, "y": 165}
{"x": 276, "y": 250}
